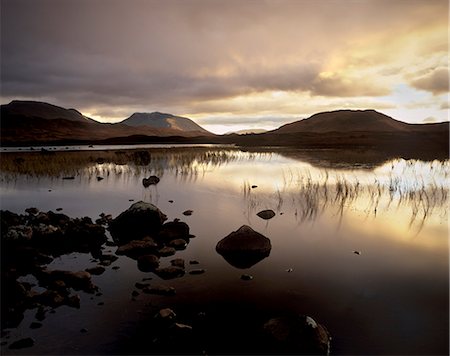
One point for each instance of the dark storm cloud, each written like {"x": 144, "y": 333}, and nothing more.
{"x": 168, "y": 53}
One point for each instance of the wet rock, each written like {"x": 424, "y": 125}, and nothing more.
{"x": 152, "y": 180}
{"x": 99, "y": 179}
{"x": 141, "y": 285}
{"x": 297, "y": 334}
{"x": 193, "y": 262}
{"x": 135, "y": 293}
{"x": 19, "y": 234}
{"x": 83, "y": 330}
{"x": 188, "y": 212}
{"x": 170, "y": 272}
{"x": 160, "y": 290}
{"x": 140, "y": 220}
{"x": 80, "y": 280}
{"x": 22, "y": 343}
{"x": 115, "y": 268}
{"x": 51, "y": 298}
{"x": 32, "y": 211}
{"x": 47, "y": 234}
{"x": 74, "y": 301}
{"x": 166, "y": 251}
{"x": 166, "y": 314}
{"x": 357, "y": 252}
{"x": 178, "y": 244}
{"x": 148, "y": 263}
{"x": 107, "y": 259}
{"x": 174, "y": 230}
{"x": 136, "y": 248}
{"x": 266, "y": 214}
{"x": 59, "y": 209}
{"x": 171, "y": 201}
{"x": 40, "y": 314}
{"x": 244, "y": 248}
{"x": 197, "y": 271}
{"x": 254, "y": 186}
{"x": 69, "y": 178}
{"x": 246, "y": 277}
{"x": 97, "y": 270}
{"x": 177, "y": 262}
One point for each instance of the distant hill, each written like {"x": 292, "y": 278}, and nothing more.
{"x": 32, "y": 121}
{"x": 37, "y": 109}
{"x": 353, "y": 121}
{"x": 162, "y": 120}
{"x": 247, "y": 132}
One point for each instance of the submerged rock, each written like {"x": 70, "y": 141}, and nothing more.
{"x": 266, "y": 214}
{"x": 244, "y": 248}
{"x": 22, "y": 343}
{"x": 139, "y": 220}
{"x": 297, "y": 334}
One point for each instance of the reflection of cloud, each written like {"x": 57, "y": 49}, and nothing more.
{"x": 435, "y": 81}
{"x": 429, "y": 119}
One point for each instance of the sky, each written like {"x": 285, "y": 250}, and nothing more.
{"x": 228, "y": 64}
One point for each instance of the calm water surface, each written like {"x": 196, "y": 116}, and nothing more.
{"x": 390, "y": 299}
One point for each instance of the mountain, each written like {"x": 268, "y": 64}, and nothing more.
{"x": 162, "y": 120}
{"x": 352, "y": 121}
{"x": 32, "y": 121}
{"x": 247, "y": 132}
{"x": 37, "y": 109}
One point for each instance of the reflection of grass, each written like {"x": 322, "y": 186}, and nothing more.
{"x": 310, "y": 197}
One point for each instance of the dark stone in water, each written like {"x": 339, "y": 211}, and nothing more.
{"x": 246, "y": 277}
{"x": 99, "y": 179}
{"x": 177, "y": 262}
{"x": 148, "y": 263}
{"x": 166, "y": 251}
{"x": 140, "y": 220}
{"x": 135, "y": 293}
{"x": 266, "y": 214}
{"x": 22, "y": 343}
{"x": 152, "y": 180}
{"x": 178, "y": 244}
{"x": 169, "y": 272}
{"x": 297, "y": 334}
{"x": 69, "y": 178}
{"x": 83, "y": 330}
{"x": 254, "y": 186}
{"x": 174, "y": 230}
{"x": 188, "y": 212}
{"x": 193, "y": 262}
{"x": 136, "y": 248}
{"x": 244, "y": 248}
{"x": 141, "y": 285}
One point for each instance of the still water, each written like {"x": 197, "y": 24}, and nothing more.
{"x": 391, "y": 298}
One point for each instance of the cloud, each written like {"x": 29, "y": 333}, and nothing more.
{"x": 110, "y": 58}
{"x": 436, "y": 81}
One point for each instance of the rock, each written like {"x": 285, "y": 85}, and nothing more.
{"x": 174, "y": 230}
{"x": 246, "y": 277}
{"x": 99, "y": 179}
{"x": 166, "y": 314}
{"x": 106, "y": 260}
{"x": 171, "y": 201}
{"x": 178, "y": 244}
{"x": 159, "y": 290}
{"x": 115, "y": 268}
{"x": 40, "y": 314}
{"x": 170, "y": 272}
{"x": 135, "y": 293}
{"x": 197, "y": 271}
{"x": 101, "y": 303}
{"x": 74, "y": 301}
{"x": 289, "y": 270}
{"x": 140, "y": 220}
{"x": 244, "y": 248}
{"x": 22, "y": 343}
{"x": 266, "y": 214}
{"x": 97, "y": 270}
{"x": 166, "y": 251}
{"x": 297, "y": 334}
{"x": 254, "y": 186}
{"x": 357, "y": 252}
{"x": 80, "y": 280}
{"x": 32, "y": 211}
{"x": 59, "y": 209}
{"x": 193, "y": 262}
{"x": 19, "y": 234}
{"x": 141, "y": 285}
{"x": 83, "y": 330}
{"x": 188, "y": 212}
{"x": 137, "y": 247}
{"x": 69, "y": 178}
{"x": 177, "y": 262}
{"x": 147, "y": 263}
{"x": 152, "y": 180}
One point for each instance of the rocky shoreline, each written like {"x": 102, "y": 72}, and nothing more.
{"x": 31, "y": 241}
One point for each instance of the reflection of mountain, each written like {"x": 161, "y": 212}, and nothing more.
{"x": 31, "y": 121}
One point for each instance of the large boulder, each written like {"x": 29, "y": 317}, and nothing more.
{"x": 296, "y": 334}
{"x": 139, "y": 220}
{"x": 244, "y": 248}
